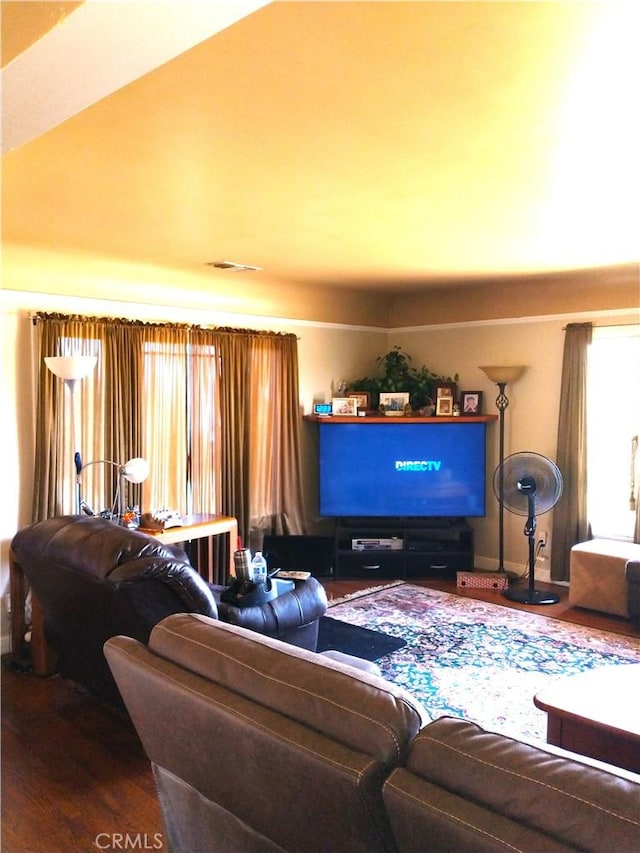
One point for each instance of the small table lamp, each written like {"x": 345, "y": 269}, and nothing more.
{"x": 135, "y": 470}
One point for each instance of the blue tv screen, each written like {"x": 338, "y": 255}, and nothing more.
{"x": 402, "y": 470}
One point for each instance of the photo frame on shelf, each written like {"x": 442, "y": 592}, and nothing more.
{"x": 394, "y": 402}
{"x": 446, "y": 389}
{"x": 344, "y": 406}
{"x": 444, "y": 406}
{"x": 362, "y": 398}
{"x": 471, "y": 403}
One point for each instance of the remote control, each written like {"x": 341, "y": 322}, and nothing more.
{"x": 294, "y": 576}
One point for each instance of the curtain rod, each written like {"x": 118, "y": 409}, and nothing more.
{"x": 601, "y": 326}
{"x": 230, "y": 330}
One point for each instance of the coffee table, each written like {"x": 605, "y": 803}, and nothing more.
{"x": 596, "y": 713}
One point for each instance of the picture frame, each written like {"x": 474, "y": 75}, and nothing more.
{"x": 444, "y": 406}
{"x": 394, "y": 402}
{"x": 470, "y": 403}
{"x": 362, "y": 398}
{"x": 446, "y": 389}
{"x": 344, "y": 407}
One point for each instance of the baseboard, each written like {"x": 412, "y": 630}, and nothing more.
{"x": 543, "y": 572}
{"x": 543, "y": 569}
{"x": 490, "y": 564}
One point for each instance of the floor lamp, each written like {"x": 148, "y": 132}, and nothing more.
{"x": 71, "y": 368}
{"x": 502, "y": 376}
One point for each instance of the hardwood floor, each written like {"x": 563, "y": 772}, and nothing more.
{"x": 74, "y": 776}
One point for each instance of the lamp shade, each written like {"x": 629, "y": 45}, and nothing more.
{"x": 136, "y": 470}
{"x": 71, "y": 366}
{"x": 503, "y": 375}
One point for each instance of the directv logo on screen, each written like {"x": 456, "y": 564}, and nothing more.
{"x": 432, "y": 465}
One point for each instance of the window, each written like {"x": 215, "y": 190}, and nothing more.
{"x": 613, "y": 422}
{"x": 214, "y": 411}
{"x": 179, "y": 418}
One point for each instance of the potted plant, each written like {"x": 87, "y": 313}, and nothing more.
{"x": 397, "y": 374}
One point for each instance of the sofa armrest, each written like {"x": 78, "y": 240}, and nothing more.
{"x": 302, "y": 606}
{"x": 182, "y": 579}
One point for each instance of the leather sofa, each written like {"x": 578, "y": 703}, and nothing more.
{"x": 92, "y": 579}
{"x": 273, "y": 748}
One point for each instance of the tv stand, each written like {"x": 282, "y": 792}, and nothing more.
{"x": 402, "y": 548}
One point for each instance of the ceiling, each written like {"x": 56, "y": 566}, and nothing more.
{"x": 390, "y": 146}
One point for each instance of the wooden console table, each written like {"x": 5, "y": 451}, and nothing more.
{"x": 595, "y": 713}
{"x": 196, "y": 535}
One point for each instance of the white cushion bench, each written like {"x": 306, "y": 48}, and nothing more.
{"x": 597, "y": 575}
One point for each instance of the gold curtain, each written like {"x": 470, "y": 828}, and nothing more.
{"x": 261, "y": 456}
{"x": 234, "y": 415}
{"x": 274, "y": 448}
{"x": 570, "y": 521}
{"x": 214, "y": 411}
{"x": 205, "y": 452}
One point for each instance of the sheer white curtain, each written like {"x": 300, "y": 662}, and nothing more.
{"x": 205, "y": 456}
{"x": 164, "y": 412}
{"x": 613, "y": 412}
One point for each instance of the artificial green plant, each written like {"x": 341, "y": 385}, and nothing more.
{"x": 397, "y": 374}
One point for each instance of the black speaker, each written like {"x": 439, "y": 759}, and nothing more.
{"x": 313, "y": 554}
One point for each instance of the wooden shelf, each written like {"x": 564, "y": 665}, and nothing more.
{"x": 384, "y": 419}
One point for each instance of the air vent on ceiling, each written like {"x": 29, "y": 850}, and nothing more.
{"x": 231, "y": 265}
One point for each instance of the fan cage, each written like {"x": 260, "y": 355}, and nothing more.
{"x": 525, "y": 464}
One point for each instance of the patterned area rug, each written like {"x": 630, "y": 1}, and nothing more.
{"x": 481, "y": 661}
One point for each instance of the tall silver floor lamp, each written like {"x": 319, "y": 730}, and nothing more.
{"x": 502, "y": 376}
{"x": 71, "y": 368}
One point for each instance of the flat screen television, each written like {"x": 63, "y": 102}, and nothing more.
{"x": 402, "y": 470}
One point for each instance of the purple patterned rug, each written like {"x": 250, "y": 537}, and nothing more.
{"x": 481, "y": 661}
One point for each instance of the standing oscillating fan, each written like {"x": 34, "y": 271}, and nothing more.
{"x": 532, "y": 484}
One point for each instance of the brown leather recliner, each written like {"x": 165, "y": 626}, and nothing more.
{"x": 95, "y": 579}
{"x": 272, "y": 748}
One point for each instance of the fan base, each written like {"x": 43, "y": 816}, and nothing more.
{"x": 531, "y": 596}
